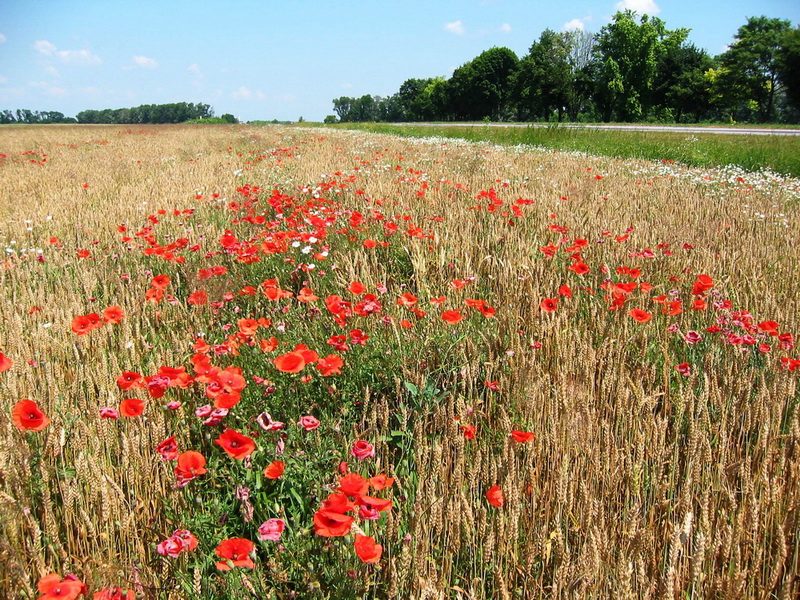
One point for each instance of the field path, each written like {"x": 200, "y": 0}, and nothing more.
{"x": 655, "y": 128}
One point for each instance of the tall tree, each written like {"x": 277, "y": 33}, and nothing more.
{"x": 542, "y": 82}
{"x": 680, "y": 86}
{"x": 628, "y": 53}
{"x": 789, "y": 67}
{"x": 481, "y": 87}
{"x": 749, "y": 68}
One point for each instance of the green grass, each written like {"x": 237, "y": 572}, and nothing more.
{"x": 780, "y": 154}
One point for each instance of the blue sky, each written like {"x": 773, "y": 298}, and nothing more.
{"x": 282, "y": 60}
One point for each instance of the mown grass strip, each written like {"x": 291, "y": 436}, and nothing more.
{"x": 780, "y": 154}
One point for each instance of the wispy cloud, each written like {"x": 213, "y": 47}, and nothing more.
{"x": 505, "y": 28}
{"x": 456, "y": 27}
{"x": 145, "y": 63}
{"x": 3, "y": 39}
{"x": 195, "y": 70}
{"x": 643, "y": 7}
{"x": 44, "y": 47}
{"x": 68, "y": 57}
{"x": 245, "y": 93}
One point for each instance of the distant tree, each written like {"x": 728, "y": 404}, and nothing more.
{"x": 543, "y": 80}
{"x": 680, "y": 86}
{"x": 628, "y": 54}
{"x": 411, "y": 99}
{"x": 329, "y": 119}
{"x": 343, "y": 106}
{"x": 226, "y": 118}
{"x": 749, "y": 68}
{"x": 788, "y": 64}
{"x": 7, "y": 116}
{"x": 482, "y": 87}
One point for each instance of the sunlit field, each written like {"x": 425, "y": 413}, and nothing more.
{"x": 261, "y": 362}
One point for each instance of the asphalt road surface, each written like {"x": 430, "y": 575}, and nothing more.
{"x": 658, "y": 128}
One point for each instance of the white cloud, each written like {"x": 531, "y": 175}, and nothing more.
{"x": 643, "y": 7}
{"x": 44, "y": 47}
{"x": 69, "y": 57}
{"x": 347, "y": 86}
{"x": 194, "y": 69}
{"x": 79, "y": 57}
{"x": 574, "y": 25}
{"x": 456, "y": 27}
{"x": 242, "y": 93}
{"x": 51, "y": 70}
{"x": 505, "y": 28}
{"x": 145, "y": 62}
{"x": 3, "y": 79}
{"x": 3, "y": 39}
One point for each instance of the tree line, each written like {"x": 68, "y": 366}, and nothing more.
{"x": 177, "y": 112}
{"x": 634, "y": 69}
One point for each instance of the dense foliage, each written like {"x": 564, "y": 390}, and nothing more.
{"x": 155, "y": 114}
{"x": 634, "y": 69}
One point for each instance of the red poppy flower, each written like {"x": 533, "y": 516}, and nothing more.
{"x": 770, "y": 327}
{"x": 451, "y": 317}
{"x": 235, "y": 444}
{"x": 330, "y": 365}
{"x": 549, "y": 304}
{"x": 53, "y": 587}
{"x": 362, "y": 450}
{"x": 367, "y": 550}
{"x": 291, "y": 362}
{"x": 237, "y": 551}
{"x": 81, "y": 325}
{"x": 274, "y": 470}
{"x": 168, "y": 449}
{"x": 469, "y": 431}
{"x": 380, "y": 482}
{"x": 353, "y": 484}
{"x": 160, "y": 282}
{"x": 378, "y": 504}
{"x": 131, "y": 407}
{"x": 357, "y": 288}
{"x": 191, "y": 464}
{"x": 129, "y": 380}
{"x": 408, "y": 300}
{"x": 640, "y": 315}
{"x": 579, "y": 268}
{"x": 197, "y": 298}
{"x": 27, "y": 416}
{"x": 5, "y": 363}
{"x": 113, "y": 315}
{"x": 495, "y": 496}
{"x": 227, "y": 399}
{"x": 523, "y": 436}
{"x": 331, "y": 524}
{"x": 309, "y": 422}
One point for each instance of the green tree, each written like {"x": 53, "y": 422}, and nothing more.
{"x": 628, "y": 54}
{"x": 749, "y": 68}
{"x": 482, "y": 87}
{"x": 343, "y": 106}
{"x": 788, "y": 63}
{"x": 542, "y": 83}
{"x": 680, "y": 86}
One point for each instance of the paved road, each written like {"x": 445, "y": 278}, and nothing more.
{"x": 713, "y": 130}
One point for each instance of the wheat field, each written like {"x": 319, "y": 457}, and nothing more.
{"x": 641, "y": 479}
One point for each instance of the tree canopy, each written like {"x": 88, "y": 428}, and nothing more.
{"x": 633, "y": 69}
